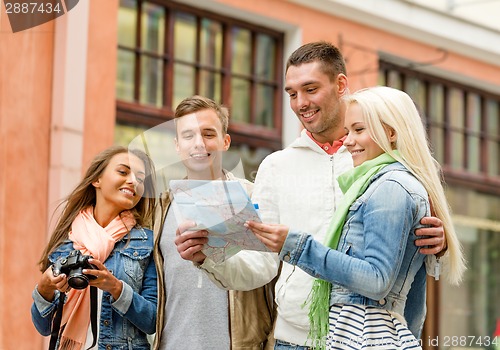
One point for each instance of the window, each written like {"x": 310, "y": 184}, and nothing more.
{"x": 462, "y": 123}
{"x": 471, "y": 310}
{"x": 168, "y": 51}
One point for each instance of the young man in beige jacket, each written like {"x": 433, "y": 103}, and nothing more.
{"x": 194, "y": 313}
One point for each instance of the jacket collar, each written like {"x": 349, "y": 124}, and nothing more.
{"x": 304, "y": 141}
{"x": 391, "y": 167}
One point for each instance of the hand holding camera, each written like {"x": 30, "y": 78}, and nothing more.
{"x": 84, "y": 270}
{"x": 72, "y": 266}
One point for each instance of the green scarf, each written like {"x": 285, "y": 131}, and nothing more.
{"x": 353, "y": 184}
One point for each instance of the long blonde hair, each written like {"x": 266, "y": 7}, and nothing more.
{"x": 385, "y": 107}
{"x": 84, "y": 195}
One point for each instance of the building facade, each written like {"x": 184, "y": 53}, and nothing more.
{"x": 109, "y": 70}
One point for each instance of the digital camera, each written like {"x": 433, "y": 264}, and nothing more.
{"x": 72, "y": 267}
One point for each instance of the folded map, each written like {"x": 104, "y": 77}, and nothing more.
{"x": 221, "y": 208}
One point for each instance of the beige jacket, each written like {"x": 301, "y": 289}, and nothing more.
{"x": 251, "y": 313}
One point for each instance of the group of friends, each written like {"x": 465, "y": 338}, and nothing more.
{"x": 353, "y": 212}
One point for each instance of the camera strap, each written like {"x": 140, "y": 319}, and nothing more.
{"x": 56, "y": 322}
{"x": 93, "y": 314}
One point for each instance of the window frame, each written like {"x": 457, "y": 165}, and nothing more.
{"x": 482, "y": 181}
{"x": 137, "y": 113}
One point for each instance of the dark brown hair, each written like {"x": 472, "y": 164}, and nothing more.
{"x": 332, "y": 61}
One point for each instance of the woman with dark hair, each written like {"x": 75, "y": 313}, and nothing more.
{"x": 103, "y": 218}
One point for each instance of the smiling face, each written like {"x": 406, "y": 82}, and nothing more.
{"x": 199, "y": 142}
{"x": 358, "y": 141}
{"x": 314, "y": 97}
{"x": 120, "y": 185}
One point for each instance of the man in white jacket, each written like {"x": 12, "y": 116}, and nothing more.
{"x": 297, "y": 187}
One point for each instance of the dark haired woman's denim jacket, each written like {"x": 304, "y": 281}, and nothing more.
{"x": 124, "y": 322}
{"x": 377, "y": 260}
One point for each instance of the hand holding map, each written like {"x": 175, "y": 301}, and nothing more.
{"x": 221, "y": 208}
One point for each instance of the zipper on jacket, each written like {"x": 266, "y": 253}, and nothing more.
{"x": 332, "y": 158}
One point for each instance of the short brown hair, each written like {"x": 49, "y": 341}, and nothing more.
{"x": 198, "y": 103}
{"x": 331, "y": 59}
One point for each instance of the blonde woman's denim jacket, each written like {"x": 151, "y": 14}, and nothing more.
{"x": 124, "y": 322}
{"x": 376, "y": 260}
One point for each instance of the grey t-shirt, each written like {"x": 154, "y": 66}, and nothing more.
{"x": 196, "y": 311}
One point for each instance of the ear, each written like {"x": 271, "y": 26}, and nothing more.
{"x": 342, "y": 87}
{"x": 227, "y": 142}
{"x": 97, "y": 183}
{"x": 176, "y": 145}
{"x": 391, "y": 133}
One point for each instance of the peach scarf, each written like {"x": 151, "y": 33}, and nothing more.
{"x": 91, "y": 239}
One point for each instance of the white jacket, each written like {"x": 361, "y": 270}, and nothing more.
{"x": 297, "y": 187}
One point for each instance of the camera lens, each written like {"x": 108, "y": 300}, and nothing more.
{"x": 78, "y": 281}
